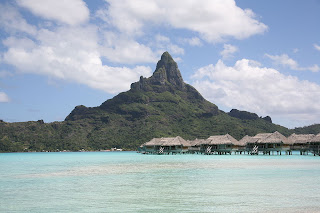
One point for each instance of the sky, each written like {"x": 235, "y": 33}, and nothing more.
{"x": 257, "y": 56}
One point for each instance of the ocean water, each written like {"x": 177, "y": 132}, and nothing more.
{"x": 132, "y": 182}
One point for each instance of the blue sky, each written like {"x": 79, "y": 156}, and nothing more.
{"x": 258, "y": 56}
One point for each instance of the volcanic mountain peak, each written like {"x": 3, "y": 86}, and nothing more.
{"x": 170, "y": 67}
{"x": 166, "y": 74}
{"x": 164, "y": 86}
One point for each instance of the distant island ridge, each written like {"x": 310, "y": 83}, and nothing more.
{"x": 161, "y": 106}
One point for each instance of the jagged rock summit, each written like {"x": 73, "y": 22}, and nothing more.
{"x": 167, "y": 76}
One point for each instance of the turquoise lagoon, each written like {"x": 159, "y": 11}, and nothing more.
{"x": 132, "y": 182}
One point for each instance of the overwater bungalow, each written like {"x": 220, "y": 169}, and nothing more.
{"x": 299, "y": 142}
{"x": 166, "y": 146}
{"x": 151, "y": 147}
{"x": 315, "y": 145}
{"x": 252, "y": 143}
{"x": 267, "y": 143}
{"x": 241, "y": 146}
{"x": 218, "y": 144}
{"x": 195, "y": 145}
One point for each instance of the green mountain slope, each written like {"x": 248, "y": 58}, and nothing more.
{"x": 159, "y": 106}
{"x": 312, "y": 129}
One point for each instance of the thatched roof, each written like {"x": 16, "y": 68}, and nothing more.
{"x": 261, "y": 136}
{"x": 275, "y": 137}
{"x": 316, "y": 138}
{"x": 247, "y": 139}
{"x": 300, "y": 138}
{"x": 177, "y": 141}
{"x": 154, "y": 142}
{"x": 221, "y": 139}
{"x": 197, "y": 142}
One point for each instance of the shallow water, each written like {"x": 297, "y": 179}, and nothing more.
{"x": 132, "y": 182}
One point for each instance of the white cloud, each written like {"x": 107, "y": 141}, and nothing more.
{"x": 262, "y": 90}
{"x": 314, "y": 68}
{"x": 4, "y": 98}
{"x": 316, "y": 46}
{"x": 228, "y": 51}
{"x": 161, "y": 38}
{"x": 121, "y": 49}
{"x": 175, "y": 49}
{"x": 71, "y": 12}
{"x": 164, "y": 43}
{"x": 12, "y": 41}
{"x": 218, "y": 20}
{"x": 177, "y": 59}
{"x": 286, "y": 61}
{"x": 72, "y": 54}
{"x": 194, "y": 41}
{"x": 4, "y": 74}
{"x": 12, "y": 22}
